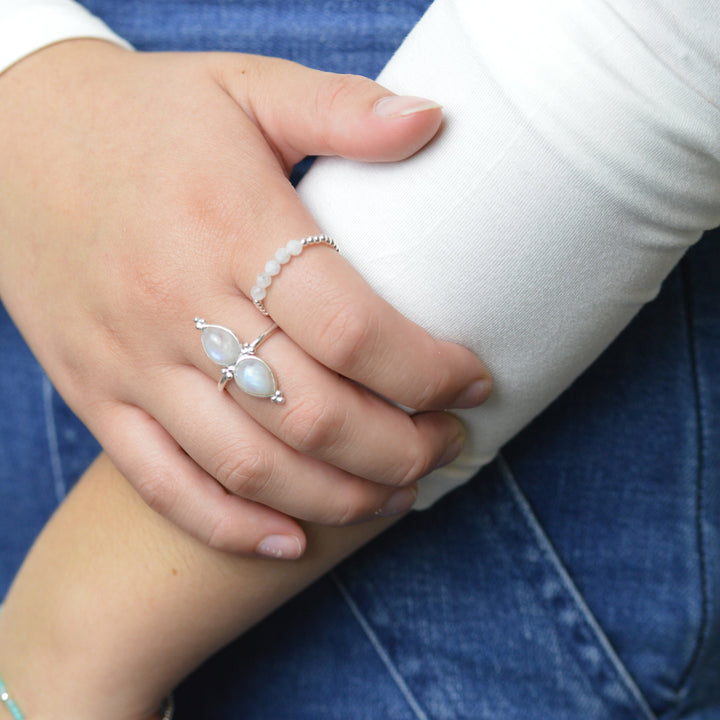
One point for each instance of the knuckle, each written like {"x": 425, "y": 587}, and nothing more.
{"x": 348, "y": 336}
{"x": 221, "y": 535}
{"x": 156, "y": 487}
{"x": 245, "y": 471}
{"x": 152, "y": 286}
{"x": 331, "y": 97}
{"x": 428, "y": 382}
{"x": 352, "y": 507}
{"x": 418, "y": 461}
{"x": 149, "y": 282}
{"x": 432, "y": 387}
{"x": 312, "y": 426}
{"x": 346, "y": 515}
{"x": 337, "y": 89}
{"x": 202, "y": 209}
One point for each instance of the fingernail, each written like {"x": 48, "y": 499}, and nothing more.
{"x": 399, "y": 502}
{"x": 402, "y": 105}
{"x": 280, "y": 546}
{"x": 452, "y": 450}
{"x": 473, "y": 395}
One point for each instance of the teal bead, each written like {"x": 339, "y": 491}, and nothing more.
{"x": 10, "y": 703}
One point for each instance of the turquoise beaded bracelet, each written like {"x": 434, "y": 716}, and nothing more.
{"x": 168, "y": 709}
{"x": 10, "y": 704}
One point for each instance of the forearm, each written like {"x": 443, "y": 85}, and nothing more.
{"x": 114, "y": 605}
{"x": 524, "y": 247}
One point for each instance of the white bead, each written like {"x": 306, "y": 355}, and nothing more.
{"x": 254, "y": 377}
{"x": 263, "y": 280}
{"x": 282, "y": 256}
{"x": 272, "y": 267}
{"x": 221, "y": 345}
{"x": 258, "y": 293}
{"x": 294, "y": 247}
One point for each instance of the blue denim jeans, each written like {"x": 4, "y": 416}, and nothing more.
{"x": 577, "y": 577}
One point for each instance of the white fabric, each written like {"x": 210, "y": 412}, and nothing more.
{"x": 579, "y": 159}
{"x": 28, "y": 25}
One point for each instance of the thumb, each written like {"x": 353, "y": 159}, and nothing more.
{"x": 309, "y": 112}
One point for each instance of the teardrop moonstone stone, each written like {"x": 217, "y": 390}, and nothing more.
{"x": 254, "y": 377}
{"x": 221, "y": 345}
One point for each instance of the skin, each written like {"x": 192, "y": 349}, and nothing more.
{"x": 142, "y": 190}
{"x": 139, "y": 192}
{"x": 115, "y": 604}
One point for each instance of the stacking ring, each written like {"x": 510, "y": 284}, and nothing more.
{"x": 239, "y": 362}
{"x": 282, "y": 257}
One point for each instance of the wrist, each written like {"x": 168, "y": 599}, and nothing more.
{"x": 11, "y": 709}
{"x": 66, "y": 650}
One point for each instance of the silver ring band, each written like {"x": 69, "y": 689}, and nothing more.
{"x": 239, "y": 362}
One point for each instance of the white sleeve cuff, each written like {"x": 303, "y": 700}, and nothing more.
{"x": 576, "y": 164}
{"x": 28, "y": 25}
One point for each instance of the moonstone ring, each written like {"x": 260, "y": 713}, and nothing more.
{"x": 239, "y": 362}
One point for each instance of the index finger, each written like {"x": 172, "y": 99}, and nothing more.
{"x": 329, "y": 310}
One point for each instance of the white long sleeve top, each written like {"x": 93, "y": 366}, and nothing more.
{"x": 580, "y": 158}
{"x": 28, "y": 25}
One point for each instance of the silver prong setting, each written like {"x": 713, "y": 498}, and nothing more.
{"x": 226, "y": 376}
{"x": 239, "y": 361}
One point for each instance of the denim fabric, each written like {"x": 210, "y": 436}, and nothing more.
{"x": 43, "y": 449}
{"x": 576, "y": 578}
{"x": 356, "y": 36}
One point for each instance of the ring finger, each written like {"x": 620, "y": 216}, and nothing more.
{"x": 251, "y": 462}
{"x": 326, "y": 416}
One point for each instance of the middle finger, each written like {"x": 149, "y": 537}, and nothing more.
{"x": 328, "y": 417}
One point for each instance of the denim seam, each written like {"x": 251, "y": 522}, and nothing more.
{"x": 549, "y": 552}
{"x": 684, "y": 680}
{"x": 379, "y": 649}
{"x": 52, "y": 439}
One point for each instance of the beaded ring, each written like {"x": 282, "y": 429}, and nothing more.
{"x": 283, "y": 256}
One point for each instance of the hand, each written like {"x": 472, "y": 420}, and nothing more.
{"x": 142, "y": 190}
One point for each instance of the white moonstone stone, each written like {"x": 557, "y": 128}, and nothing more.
{"x": 258, "y": 293}
{"x": 255, "y": 377}
{"x": 263, "y": 280}
{"x": 272, "y": 267}
{"x": 294, "y": 247}
{"x": 221, "y": 345}
{"x": 282, "y": 255}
